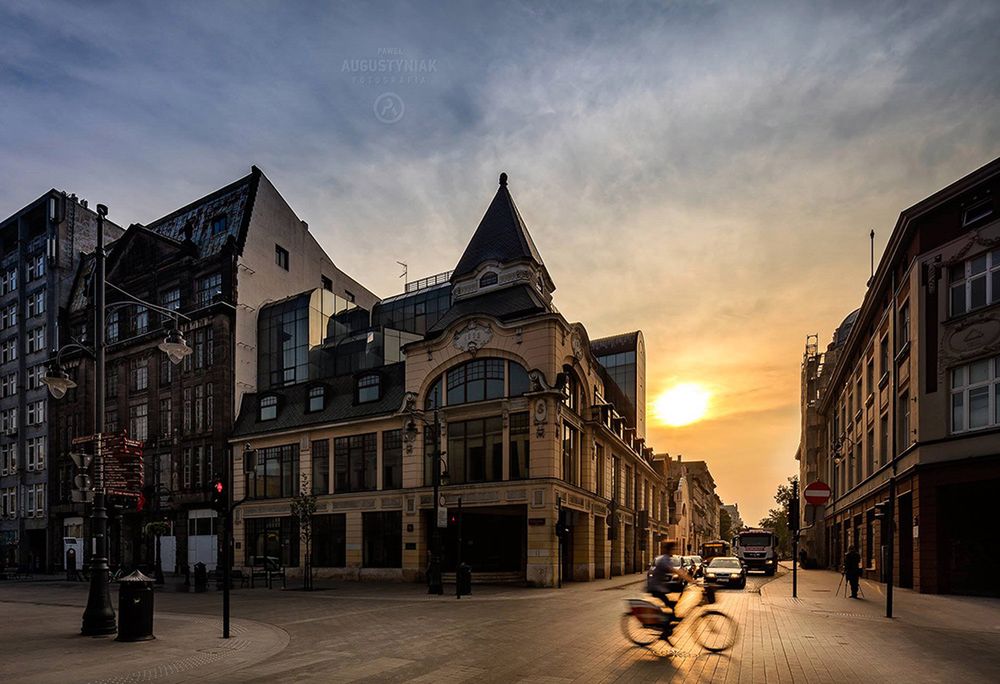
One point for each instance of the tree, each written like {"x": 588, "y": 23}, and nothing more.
{"x": 303, "y": 507}
{"x": 725, "y": 525}
{"x": 777, "y": 519}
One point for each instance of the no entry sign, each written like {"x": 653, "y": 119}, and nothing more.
{"x": 817, "y": 494}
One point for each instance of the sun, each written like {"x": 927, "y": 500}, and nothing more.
{"x": 682, "y": 404}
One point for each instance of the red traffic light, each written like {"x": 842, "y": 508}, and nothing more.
{"x": 218, "y": 486}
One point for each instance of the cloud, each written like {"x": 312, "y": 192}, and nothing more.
{"x": 705, "y": 171}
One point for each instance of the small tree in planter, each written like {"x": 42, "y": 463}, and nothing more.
{"x": 303, "y": 508}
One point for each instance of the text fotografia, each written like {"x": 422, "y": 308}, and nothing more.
{"x": 389, "y": 67}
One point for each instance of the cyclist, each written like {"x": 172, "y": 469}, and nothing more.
{"x": 663, "y": 570}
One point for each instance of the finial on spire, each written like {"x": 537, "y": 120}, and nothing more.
{"x": 503, "y": 180}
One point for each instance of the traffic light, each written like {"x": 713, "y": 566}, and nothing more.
{"x": 793, "y": 515}
{"x": 218, "y": 495}
{"x": 562, "y": 529}
{"x": 612, "y": 520}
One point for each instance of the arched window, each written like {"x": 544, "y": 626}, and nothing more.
{"x": 479, "y": 380}
{"x": 268, "y": 407}
{"x": 368, "y": 388}
{"x": 488, "y": 279}
{"x": 569, "y": 390}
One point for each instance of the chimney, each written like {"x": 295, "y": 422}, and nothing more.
{"x": 678, "y": 458}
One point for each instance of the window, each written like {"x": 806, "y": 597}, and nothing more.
{"x": 857, "y": 397}
{"x": 368, "y": 388}
{"x": 36, "y": 303}
{"x": 904, "y": 422}
{"x": 139, "y": 375}
{"x": 600, "y": 475}
{"x": 36, "y": 412}
{"x": 488, "y": 279}
{"x": 111, "y": 327}
{"x": 111, "y": 420}
{"x": 36, "y": 453}
{"x": 8, "y": 316}
{"x": 275, "y": 538}
{"x": 977, "y": 212}
{"x": 883, "y": 431}
{"x": 975, "y": 395}
{"x": 519, "y": 381}
{"x": 8, "y": 385}
{"x": 209, "y": 406}
{"x": 476, "y": 381}
{"x": 433, "y": 399}
{"x": 277, "y": 472}
{"x": 167, "y": 370}
{"x": 520, "y": 446}
{"x": 569, "y": 391}
{"x": 166, "y": 418}
{"x": 321, "y": 466}
{"x": 281, "y": 256}
{"x": 475, "y": 450}
{"x": 326, "y": 283}
{"x": 329, "y": 541}
{"x": 35, "y": 341}
{"x": 8, "y": 282}
{"x": 570, "y": 454}
{"x": 35, "y": 375}
{"x": 207, "y": 288}
{"x": 870, "y": 446}
{"x": 36, "y": 267}
{"x": 138, "y": 421}
{"x": 171, "y": 299}
{"x": 35, "y": 500}
{"x": 317, "y": 398}
{"x": 8, "y": 350}
{"x": 268, "y": 407}
{"x": 975, "y": 283}
{"x": 903, "y": 332}
{"x": 199, "y": 408}
{"x": 870, "y": 375}
{"x": 217, "y": 225}
{"x": 204, "y": 344}
{"x": 140, "y": 321}
{"x": 392, "y": 459}
{"x": 382, "y": 533}
{"x": 8, "y": 420}
{"x": 355, "y": 461}
{"x": 883, "y": 357}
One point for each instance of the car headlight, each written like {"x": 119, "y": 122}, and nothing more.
{"x": 711, "y": 574}
{"x": 769, "y": 561}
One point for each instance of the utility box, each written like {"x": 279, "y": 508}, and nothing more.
{"x": 464, "y": 579}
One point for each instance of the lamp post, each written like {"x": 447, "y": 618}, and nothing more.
{"x": 99, "y": 616}
{"x": 435, "y": 584}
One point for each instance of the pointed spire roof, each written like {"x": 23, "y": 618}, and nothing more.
{"x": 501, "y": 236}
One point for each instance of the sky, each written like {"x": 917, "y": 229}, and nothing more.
{"x": 707, "y": 172}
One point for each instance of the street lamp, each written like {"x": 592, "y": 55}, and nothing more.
{"x": 99, "y": 616}
{"x": 435, "y": 584}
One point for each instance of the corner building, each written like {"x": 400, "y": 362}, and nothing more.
{"x": 480, "y": 363}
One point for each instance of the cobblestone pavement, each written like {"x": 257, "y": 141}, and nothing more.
{"x": 395, "y": 633}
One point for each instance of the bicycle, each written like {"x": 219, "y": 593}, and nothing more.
{"x": 645, "y": 623}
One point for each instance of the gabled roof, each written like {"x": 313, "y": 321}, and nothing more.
{"x": 501, "y": 236}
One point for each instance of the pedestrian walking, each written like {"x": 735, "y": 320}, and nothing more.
{"x": 852, "y": 569}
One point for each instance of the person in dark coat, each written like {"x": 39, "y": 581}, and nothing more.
{"x": 852, "y": 569}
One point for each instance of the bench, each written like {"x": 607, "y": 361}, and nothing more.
{"x": 266, "y": 569}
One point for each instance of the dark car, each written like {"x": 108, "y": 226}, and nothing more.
{"x": 726, "y": 571}
{"x": 676, "y": 584}
{"x": 694, "y": 565}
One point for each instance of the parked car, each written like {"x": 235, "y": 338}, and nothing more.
{"x": 676, "y": 584}
{"x": 726, "y": 571}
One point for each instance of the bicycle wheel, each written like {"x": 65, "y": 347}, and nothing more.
{"x": 639, "y": 633}
{"x": 714, "y": 631}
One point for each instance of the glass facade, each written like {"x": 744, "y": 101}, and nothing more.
{"x": 479, "y": 380}
{"x": 622, "y": 369}
{"x": 329, "y": 540}
{"x": 277, "y": 472}
{"x": 413, "y": 312}
{"x": 274, "y": 538}
{"x": 355, "y": 463}
{"x": 475, "y": 451}
{"x": 383, "y": 539}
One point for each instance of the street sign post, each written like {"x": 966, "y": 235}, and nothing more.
{"x": 817, "y": 493}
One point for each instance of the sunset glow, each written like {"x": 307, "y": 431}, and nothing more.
{"x": 682, "y": 404}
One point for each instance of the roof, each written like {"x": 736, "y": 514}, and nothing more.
{"x": 501, "y": 236}
{"x": 340, "y": 405}
{"x": 615, "y": 344}
{"x": 845, "y": 327}
{"x": 504, "y": 305}
{"x": 234, "y": 202}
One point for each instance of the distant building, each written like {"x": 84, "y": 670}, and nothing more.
{"x": 40, "y": 247}
{"x": 694, "y": 507}
{"x": 905, "y": 406}
{"x": 529, "y": 422}
{"x": 734, "y": 516}
{"x": 218, "y": 261}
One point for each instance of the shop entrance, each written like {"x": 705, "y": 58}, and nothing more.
{"x": 494, "y": 539}
{"x": 967, "y": 538}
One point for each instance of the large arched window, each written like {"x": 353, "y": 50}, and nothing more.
{"x": 478, "y": 380}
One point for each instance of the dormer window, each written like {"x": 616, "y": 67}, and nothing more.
{"x": 218, "y": 225}
{"x": 268, "y": 407}
{"x": 368, "y": 388}
{"x": 488, "y": 279}
{"x": 317, "y": 398}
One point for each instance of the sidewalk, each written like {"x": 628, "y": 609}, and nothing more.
{"x": 818, "y": 593}
{"x": 41, "y": 645}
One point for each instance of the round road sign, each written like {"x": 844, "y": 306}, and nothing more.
{"x": 817, "y": 494}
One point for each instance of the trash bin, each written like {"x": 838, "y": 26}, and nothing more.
{"x": 464, "y": 579}
{"x": 200, "y": 577}
{"x": 135, "y": 608}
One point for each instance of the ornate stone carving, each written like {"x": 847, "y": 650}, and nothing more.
{"x": 541, "y": 412}
{"x": 473, "y": 337}
{"x": 537, "y": 379}
{"x": 409, "y": 402}
{"x": 577, "y": 345}
{"x": 970, "y": 337}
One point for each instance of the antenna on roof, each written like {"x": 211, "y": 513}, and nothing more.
{"x": 871, "y": 237}
{"x": 403, "y": 274}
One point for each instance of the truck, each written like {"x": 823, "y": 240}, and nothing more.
{"x": 757, "y": 548}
